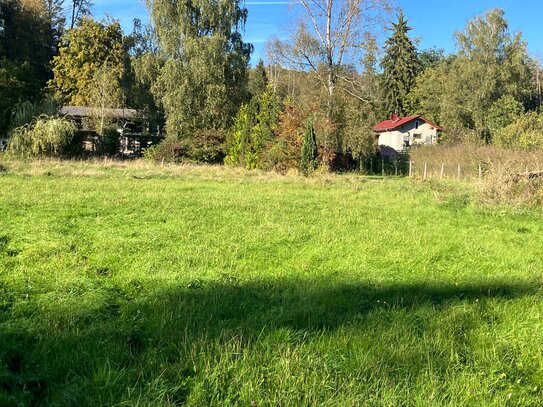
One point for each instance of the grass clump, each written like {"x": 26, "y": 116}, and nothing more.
{"x": 134, "y": 284}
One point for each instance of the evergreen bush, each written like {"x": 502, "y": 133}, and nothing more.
{"x": 308, "y": 162}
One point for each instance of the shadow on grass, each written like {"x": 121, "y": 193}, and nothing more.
{"x": 63, "y": 356}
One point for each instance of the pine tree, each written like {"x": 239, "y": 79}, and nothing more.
{"x": 400, "y": 67}
{"x": 308, "y": 162}
{"x": 258, "y": 79}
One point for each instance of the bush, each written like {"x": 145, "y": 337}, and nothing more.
{"x": 253, "y": 129}
{"x": 205, "y": 146}
{"x": 283, "y": 152}
{"x": 46, "y": 136}
{"x": 526, "y": 133}
{"x": 109, "y": 142}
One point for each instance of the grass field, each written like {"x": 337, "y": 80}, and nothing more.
{"x": 132, "y": 284}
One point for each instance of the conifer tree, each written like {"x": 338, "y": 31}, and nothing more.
{"x": 258, "y": 79}
{"x": 308, "y": 162}
{"x": 400, "y": 67}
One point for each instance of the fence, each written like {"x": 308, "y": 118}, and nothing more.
{"x": 447, "y": 171}
{"x": 403, "y": 166}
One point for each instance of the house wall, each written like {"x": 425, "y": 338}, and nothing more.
{"x": 409, "y": 134}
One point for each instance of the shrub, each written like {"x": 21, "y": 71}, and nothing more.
{"x": 205, "y": 146}
{"x": 45, "y": 136}
{"x": 525, "y": 133}
{"x": 283, "y": 152}
{"x": 252, "y": 131}
{"x": 109, "y": 141}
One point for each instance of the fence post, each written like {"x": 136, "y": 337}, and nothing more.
{"x": 480, "y": 173}
{"x": 425, "y": 169}
{"x": 371, "y": 166}
{"x": 383, "y": 168}
{"x": 442, "y": 170}
{"x": 458, "y": 171}
{"x": 410, "y": 168}
{"x": 396, "y": 168}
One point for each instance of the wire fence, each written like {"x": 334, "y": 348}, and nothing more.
{"x": 403, "y": 166}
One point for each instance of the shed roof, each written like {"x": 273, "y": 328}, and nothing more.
{"x": 396, "y": 122}
{"x": 84, "y": 111}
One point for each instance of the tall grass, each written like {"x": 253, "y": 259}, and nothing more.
{"x": 139, "y": 284}
{"x": 471, "y": 158}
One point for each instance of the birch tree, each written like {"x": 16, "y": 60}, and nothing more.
{"x": 333, "y": 37}
{"x": 203, "y": 78}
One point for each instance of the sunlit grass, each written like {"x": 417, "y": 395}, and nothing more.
{"x": 138, "y": 284}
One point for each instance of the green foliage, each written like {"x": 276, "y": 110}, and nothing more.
{"x": 17, "y": 82}
{"x": 430, "y": 58}
{"x": 460, "y": 92}
{"x": 504, "y": 112}
{"x": 24, "y": 112}
{"x": 104, "y": 94}
{"x": 28, "y": 33}
{"x": 258, "y": 79}
{"x": 400, "y": 67}
{"x": 526, "y": 133}
{"x": 109, "y": 144}
{"x": 253, "y": 128}
{"x": 83, "y": 51}
{"x": 46, "y": 136}
{"x": 238, "y": 137}
{"x": 309, "y": 154}
{"x": 207, "y": 146}
{"x": 283, "y": 152}
{"x": 357, "y": 119}
{"x": 203, "y": 80}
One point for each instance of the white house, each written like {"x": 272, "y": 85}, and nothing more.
{"x": 396, "y": 135}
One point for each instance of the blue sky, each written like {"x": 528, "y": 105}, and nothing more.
{"x": 434, "y": 22}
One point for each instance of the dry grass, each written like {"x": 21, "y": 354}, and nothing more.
{"x": 471, "y": 159}
{"x": 494, "y": 169}
{"x": 503, "y": 185}
{"x": 143, "y": 169}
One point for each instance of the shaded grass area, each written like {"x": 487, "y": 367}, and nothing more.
{"x": 200, "y": 286}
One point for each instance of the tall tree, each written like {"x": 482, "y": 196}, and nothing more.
{"x": 400, "y": 66}
{"x": 461, "y": 91}
{"x": 78, "y": 10}
{"x": 258, "y": 79}
{"x": 29, "y": 31}
{"x": 82, "y": 52}
{"x": 105, "y": 94}
{"x": 203, "y": 79}
{"x": 329, "y": 36}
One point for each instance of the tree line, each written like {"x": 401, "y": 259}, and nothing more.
{"x": 347, "y": 65}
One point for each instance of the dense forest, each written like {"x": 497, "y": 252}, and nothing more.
{"x": 312, "y": 101}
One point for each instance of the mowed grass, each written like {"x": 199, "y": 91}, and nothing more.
{"x": 132, "y": 284}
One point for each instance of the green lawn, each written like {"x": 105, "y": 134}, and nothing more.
{"x": 161, "y": 286}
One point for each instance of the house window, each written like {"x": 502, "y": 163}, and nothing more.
{"x": 417, "y": 124}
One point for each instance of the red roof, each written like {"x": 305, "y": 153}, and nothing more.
{"x": 395, "y": 122}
